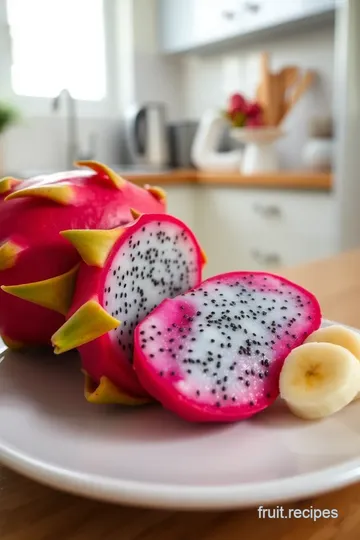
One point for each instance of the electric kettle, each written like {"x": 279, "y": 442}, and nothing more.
{"x": 147, "y": 134}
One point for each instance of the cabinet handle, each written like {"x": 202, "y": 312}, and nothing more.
{"x": 266, "y": 258}
{"x": 229, "y": 15}
{"x": 253, "y": 7}
{"x": 270, "y": 210}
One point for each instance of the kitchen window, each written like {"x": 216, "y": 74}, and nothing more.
{"x": 58, "y": 44}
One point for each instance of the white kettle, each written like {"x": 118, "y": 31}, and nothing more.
{"x": 147, "y": 134}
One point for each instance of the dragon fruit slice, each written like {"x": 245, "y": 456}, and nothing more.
{"x": 215, "y": 353}
{"x": 126, "y": 273}
{"x": 37, "y": 265}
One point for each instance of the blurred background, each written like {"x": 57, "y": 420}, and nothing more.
{"x": 147, "y": 86}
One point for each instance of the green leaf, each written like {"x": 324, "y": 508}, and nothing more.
{"x": 8, "y": 116}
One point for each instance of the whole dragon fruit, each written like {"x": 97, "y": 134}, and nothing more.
{"x": 37, "y": 265}
{"x": 214, "y": 354}
{"x": 126, "y": 272}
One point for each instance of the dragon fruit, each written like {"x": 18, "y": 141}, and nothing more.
{"x": 214, "y": 354}
{"x": 38, "y": 266}
{"x": 126, "y": 272}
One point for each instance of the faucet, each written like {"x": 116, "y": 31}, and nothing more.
{"x": 72, "y": 145}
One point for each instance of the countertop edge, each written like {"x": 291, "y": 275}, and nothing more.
{"x": 280, "y": 180}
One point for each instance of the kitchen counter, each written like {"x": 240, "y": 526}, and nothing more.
{"x": 300, "y": 180}
{"x": 29, "y": 510}
{"x": 283, "y": 179}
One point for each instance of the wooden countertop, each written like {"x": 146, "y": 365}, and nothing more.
{"x": 279, "y": 180}
{"x": 29, "y": 511}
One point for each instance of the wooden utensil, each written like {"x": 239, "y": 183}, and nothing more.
{"x": 286, "y": 78}
{"x": 290, "y": 75}
{"x": 277, "y": 94}
{"x": 265, "y": 92}
{"x": 299, "y": 90}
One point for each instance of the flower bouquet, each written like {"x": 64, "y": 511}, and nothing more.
{"x": 248, "y": 126}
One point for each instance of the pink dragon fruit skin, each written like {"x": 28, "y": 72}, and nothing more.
{"x": 230, "y": 337}
{"x": 37, "y": 265}
{"x": 126, "y": 272}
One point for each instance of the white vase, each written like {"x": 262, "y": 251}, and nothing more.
{"x": 260, "y": 154}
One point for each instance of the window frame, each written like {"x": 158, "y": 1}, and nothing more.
{"x": 42, "y": 106}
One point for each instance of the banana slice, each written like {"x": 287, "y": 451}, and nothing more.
{"x": 319, "y": 379}
{"x": 338, "y": 335}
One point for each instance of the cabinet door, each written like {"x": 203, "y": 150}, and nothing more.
{"x": 185, "y": 24}
{"x": 261, "y": 14}
{"x": 261, "y": 230}
{"x": 188, "y": 24}
{"x": 215, "y": 20}
{"x": 220, "y": 231}
{"x": 176, "y": 24}
{"x": 311, "y": 7}
{"x": 181, "y": 203}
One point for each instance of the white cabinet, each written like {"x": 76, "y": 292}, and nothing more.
{"x": 317, "y": 6}
{"x": 176, "y": 24}
{"x": 190, "y": 24}
{"x": 181, "y": 202}
{"x": 263, "y": 229}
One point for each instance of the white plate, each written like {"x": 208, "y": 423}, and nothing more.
{"x": 149, "y": 457}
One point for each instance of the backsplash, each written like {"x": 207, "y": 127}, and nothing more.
{"x": 188, "y": 85}
{"x": 209, "y": 79}
{"x": 39, "y": 143}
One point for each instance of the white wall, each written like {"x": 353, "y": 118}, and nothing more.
{"x": 209, "y": 79}
{"x": 157, "y": 77}
{"x": 142, "y": 73}
{"x": 136, "y": 73}
{"x": 38, "y": 141}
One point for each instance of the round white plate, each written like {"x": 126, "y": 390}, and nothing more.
{"x": 150, "y": 457}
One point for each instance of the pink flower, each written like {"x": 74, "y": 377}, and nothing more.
{"x": 256, "y": 121}
{"x": 253, "y": 110}
{"x": 237, "y": 103}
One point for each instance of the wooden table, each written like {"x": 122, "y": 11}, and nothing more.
{"x": 29, "y": 511}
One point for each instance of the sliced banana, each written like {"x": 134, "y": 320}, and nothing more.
{"x": 338, "y": 335}
{"x": 319, "y": 379}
